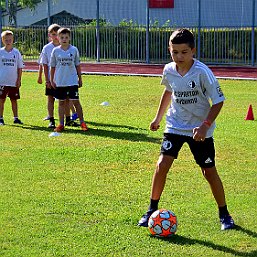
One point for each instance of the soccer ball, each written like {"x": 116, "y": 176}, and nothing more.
{"x": 162, "y": 223}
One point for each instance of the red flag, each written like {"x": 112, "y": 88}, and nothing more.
{"x": 161, "y": 3}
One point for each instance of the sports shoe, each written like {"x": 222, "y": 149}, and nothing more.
{"x": 71, "y": 123}
{"x": 1, "y": 122}
{"x": 17, "y": 121}
{"x": 227, "y": 222}
{"x": 83, "y": 126}
{"x": 143, "y": 222}
{"x": 59, "y": 128}
{"x": 51, "y": 124}
{"x": 47, "y": 118}
{"x": 74, "y": 116}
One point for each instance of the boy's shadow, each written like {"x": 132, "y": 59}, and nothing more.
{"x": 133, "y": 134}
{"x": 182, "y": 240}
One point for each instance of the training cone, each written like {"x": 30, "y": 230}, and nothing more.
{"x": 249, "y": 115}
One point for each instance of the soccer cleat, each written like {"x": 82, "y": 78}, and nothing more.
{"x": 83, "y": 126}
{"x": 227, "y": 222}
{"x": 74, "y": 116}
{"x": 17, "y": 121}
{"x": 71, "y": 123}
{"x": 59, "y": 128}
{"x": 1, "y": 122}
{"x": 47, "y": 118}
{"x": 143, "y": 222}
{"x": 51, "y": 124}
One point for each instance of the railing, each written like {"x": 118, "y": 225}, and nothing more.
{"x": 231, "y": 46}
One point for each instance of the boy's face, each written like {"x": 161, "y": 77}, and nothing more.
{"x": 8, "y": 40}
{"x": 53, "y": 36}
{"x": 64, "y": 39}
{"x": 182, "y": 54}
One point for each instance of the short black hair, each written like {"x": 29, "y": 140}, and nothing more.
{"x": 182, "y": 36}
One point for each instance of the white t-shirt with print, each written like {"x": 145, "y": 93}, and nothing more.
{"x": 10, "y": 62}
{"x": 191, "y": 99}
{"x": 65, "y": 62}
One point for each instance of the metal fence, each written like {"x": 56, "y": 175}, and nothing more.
{"x": 231, "y": 46}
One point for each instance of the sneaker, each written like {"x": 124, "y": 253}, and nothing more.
{"x": 51, "y": 124}
{"x": 83, "y": 126}
{"x": 17, "y": 121}
{"x": 74, "y": 116}
{"x": 72, "y": 123}
{"x": 227, "y": 222}
{"x": 47, "y": 118}
{"x": 59, "y": 128}
{"x": 1, "y": 122}
{"x": 143, "y": 222}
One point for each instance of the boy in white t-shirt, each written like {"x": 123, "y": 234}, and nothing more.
{"x": 195, "y": 99}
{"x": 11, "y": 65}
{"x": 65, "y": 77}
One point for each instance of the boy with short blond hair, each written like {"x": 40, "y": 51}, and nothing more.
{"x": 11, "y": 65}
{"x": 65, "y": 77}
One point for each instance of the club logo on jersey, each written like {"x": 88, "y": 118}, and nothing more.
{"x": 191, "y": 84}
{"x": 166, "y": 145}
{"x": 219, "y": 91}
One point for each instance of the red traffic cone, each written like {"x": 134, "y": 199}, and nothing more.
{"x": 249, "y": 115}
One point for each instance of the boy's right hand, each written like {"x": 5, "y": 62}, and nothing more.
{"x": 52, "y": 84}
{"x": 39, "y": 80}
{"x": 154, "y": 126}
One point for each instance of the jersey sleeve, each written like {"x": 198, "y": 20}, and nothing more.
{"x": 53, "y": 59}
{"x": 164, "y": 80}
{"x": 20, "y": 63}
{"x": 77, "y": 58}
{"x": 212, "y": 88}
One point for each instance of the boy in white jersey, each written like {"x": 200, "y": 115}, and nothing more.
{"x": 65, "y": 77}
{"x": 11, "y": 65}
{"x": 44, "y": 61}
{"x": 189, "y": 87}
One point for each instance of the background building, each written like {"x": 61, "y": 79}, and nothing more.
{"x": 187, "y": 13}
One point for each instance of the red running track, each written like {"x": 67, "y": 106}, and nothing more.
{"x": 235, "y": 72}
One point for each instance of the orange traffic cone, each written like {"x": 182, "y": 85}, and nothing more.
{"x": 249, "y": 115}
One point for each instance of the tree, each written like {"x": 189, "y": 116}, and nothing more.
{"x": 11, "y": 7}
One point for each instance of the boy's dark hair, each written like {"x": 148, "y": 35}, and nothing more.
{"x": 53, "y": 28}
{"x": 182, "y": 36}
{"x": 63, "y": 31}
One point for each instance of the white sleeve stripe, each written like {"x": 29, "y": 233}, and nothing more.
{"x": 207, "y": 71}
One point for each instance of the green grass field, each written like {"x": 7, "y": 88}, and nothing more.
{"x": 81, "y": 194}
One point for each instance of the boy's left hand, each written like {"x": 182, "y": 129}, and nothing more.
{"x": 199, "y": 133}
{"x": 80, "y": 83}
{"x": 18, "y": 84}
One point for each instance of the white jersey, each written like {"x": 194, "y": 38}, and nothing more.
{"x": 10, "y": 62}
{"x": 190, "y": 99}
{"x": 65, "y": 62}
{"x": 46, "y": 54}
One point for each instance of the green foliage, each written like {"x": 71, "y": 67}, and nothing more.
{"x": 81, "y": 194}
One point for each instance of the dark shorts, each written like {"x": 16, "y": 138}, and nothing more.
{"x": 12, "y": 92}
{"x": 203, "y": 151}
{"x": 70, "y": 92}
{"x": 50, "y": 91}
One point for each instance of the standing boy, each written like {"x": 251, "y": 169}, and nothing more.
{"x": 45, "y": 61}
{"x": 189, "y": 85}
{"x": 66, "y": 77}
{"x": 11, "y": 65}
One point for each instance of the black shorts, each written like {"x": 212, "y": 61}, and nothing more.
{"x": 50, "y": 91}
{"x": 203, "y": 151}
{"x": 12, "y": 92}
{"x": 70, "y": 92}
